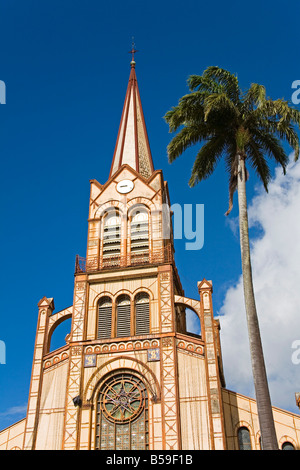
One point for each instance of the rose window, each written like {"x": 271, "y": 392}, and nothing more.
{"x": 122, "y": 414}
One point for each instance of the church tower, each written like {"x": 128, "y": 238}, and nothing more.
{"x": 130, "y": 376}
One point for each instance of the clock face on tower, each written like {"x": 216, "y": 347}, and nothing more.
{"x": 125, "y": 186}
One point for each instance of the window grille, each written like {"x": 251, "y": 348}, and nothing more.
{"x": 123, "y": 316}
{"x": 104, "y": 318}
{"x": 142, "y": 317}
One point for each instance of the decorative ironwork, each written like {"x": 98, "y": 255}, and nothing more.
{"x": 84, "y": 265}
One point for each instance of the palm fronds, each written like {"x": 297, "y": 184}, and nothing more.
{"x": 220, "y": 117}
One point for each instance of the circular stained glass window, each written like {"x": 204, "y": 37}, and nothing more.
{"x": 122, "y": 398}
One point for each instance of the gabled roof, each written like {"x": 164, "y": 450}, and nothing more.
{"x": 132, "y": 146}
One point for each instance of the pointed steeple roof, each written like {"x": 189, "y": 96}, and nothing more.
{"x": 132, "y": 146}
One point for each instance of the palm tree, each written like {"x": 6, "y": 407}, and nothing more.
{"x": 242, "y": 127}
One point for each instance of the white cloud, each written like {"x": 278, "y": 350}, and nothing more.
{"x": 275, "y": 258}
{"x": 14, "y": 410}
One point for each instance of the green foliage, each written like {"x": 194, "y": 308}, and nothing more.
{"x": 229, "y": 122}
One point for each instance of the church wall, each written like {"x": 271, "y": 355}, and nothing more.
{"x": 241, "y": 411}
{"x": 105, "y": 197}
{"x": 102, "y": 196}
{"x": 52, "y": 407}
{"x": 118, "y": 283}
{"x": 12, "y": 437}
{"x": 129, "y": 353}
{"x": 135, "y": 361}
{"x": 194, "y": 414}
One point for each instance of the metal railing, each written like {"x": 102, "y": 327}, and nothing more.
{"x": 83, "y": 265}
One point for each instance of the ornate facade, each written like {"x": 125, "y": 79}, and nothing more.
{"x": 130, "y": 375}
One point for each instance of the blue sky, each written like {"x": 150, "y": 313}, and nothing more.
{"x": 66, "y": 67}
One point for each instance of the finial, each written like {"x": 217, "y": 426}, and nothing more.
{"x": 132, "y": 52}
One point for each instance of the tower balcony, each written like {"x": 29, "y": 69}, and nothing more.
{"x": 117, "y": 261}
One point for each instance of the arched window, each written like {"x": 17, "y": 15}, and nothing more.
{"x": 244, "y": 438}
{"x": 142, "y": 317}
{"x": 123, "y": 315}
{"x": 139, "y": 235}
{"x": 104, "y": 318}
{"x": 111, "y": 239}
{"x": 287, "y": 446}
{"x": 193, "y": 324}
{"x": 122, "y": 414}
{"x": 59, "y": 334}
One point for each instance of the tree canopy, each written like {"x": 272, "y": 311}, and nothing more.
{"x": 229, "y": 122}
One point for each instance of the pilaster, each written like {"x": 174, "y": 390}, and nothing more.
{"x": 71, "y": 429}
{"x": 212, "y": 368}
{"x": 169, "y": 375}
{"x": 46, "y": 307}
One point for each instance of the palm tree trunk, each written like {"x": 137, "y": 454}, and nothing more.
{"x": 263, "y": 401}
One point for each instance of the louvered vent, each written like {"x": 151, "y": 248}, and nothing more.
{"x": 142, "y": 319}
{"x": 123, "y": 316}
{"x": 112, "y": 239}
{"x": 140, "y": 234}
{"x": 104, "y": 318}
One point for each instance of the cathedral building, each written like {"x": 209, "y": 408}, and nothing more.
{"x": 130, "y": 376}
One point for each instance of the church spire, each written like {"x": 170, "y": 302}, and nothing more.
{"x": 132, "y": 146}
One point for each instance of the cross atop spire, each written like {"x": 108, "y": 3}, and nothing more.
{"x": 132, "y": 146}
{"x": 132, "y": 52}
